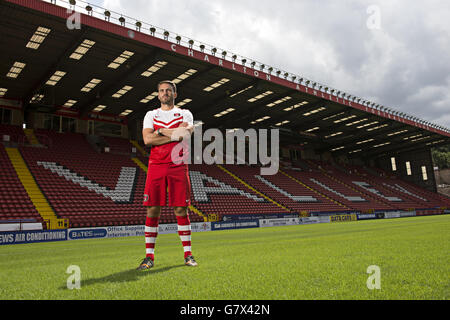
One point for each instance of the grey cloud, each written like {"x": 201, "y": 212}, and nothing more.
{"x": 404, "y": 65}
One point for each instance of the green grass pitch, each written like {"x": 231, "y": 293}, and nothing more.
{"x": 319, "y": 262}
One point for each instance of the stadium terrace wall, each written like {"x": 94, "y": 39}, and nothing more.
{"x": 21, "y": 237}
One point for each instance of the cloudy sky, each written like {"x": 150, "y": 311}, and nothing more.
{"x": 392, "y": 52}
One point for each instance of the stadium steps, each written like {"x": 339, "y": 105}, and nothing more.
{"x": 29, "y": 133}
{"x": 37, "y": 197}
{"x": 314, "y": 190}
{"x": 138, "y": 147}
{"x": 140, "y": 164}
{"x": 250, "y": 187}
{"x": 191, "y": 207}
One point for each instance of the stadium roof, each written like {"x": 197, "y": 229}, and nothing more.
{"x": 91, "y": 58}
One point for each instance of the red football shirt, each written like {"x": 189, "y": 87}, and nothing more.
{"x": 170, "y": 119}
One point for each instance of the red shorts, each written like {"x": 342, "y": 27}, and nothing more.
{"x": 167, "y": 178}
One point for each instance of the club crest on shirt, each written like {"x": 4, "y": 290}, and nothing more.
{"x": 177, "y": 115}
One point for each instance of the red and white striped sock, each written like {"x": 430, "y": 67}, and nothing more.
{"x": 184, "y": 231}
{"x": 151, "y": 232}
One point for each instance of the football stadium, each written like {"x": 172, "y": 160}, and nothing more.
{"x": 299, "y": 191}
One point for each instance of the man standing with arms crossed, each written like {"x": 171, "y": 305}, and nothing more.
{"x": 163, "y": 129}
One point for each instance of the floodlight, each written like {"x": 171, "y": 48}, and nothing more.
{"x": 89, "y": 10}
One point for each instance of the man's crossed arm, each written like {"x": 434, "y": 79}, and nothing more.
{"x": 151, "y": 137}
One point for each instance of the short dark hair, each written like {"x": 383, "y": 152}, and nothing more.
{"x": 171, "y": 83}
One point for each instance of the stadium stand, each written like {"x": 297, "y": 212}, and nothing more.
{"x": 341, "y": 190}
{"x": 376, "y": 187}
{"x": 214, "y": 191}
{"x": 15, "y": 203}
{"x": 105, "y": 189}
{"x": 402, "y": 187}
{"x": 292, "y": 194}
{"x": 407, "y": 189}
{"x": 380, "y": 201}
{"x": 82, "y": 185}
{"x": 91, "y": 187}
{"x": 83, "y": 207}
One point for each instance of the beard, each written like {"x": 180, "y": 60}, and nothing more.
{"x": 167, "y": 100}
